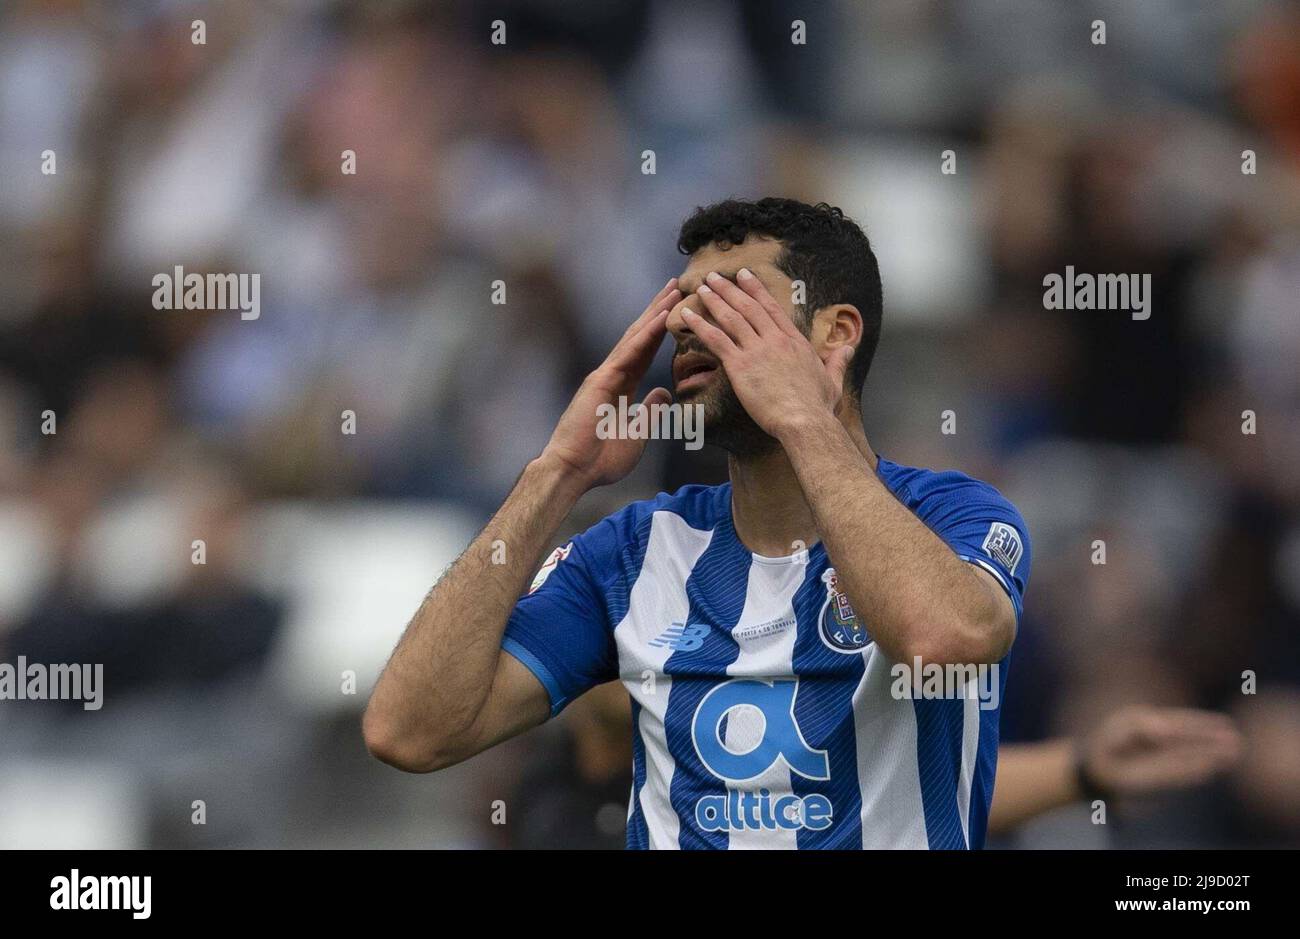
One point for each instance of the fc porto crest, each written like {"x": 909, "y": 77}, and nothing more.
{"x": 837, "y": 624}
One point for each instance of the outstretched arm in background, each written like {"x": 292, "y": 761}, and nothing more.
{"x": 1135, "y": 751}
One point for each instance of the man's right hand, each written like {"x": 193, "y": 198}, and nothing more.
{"x": 449, "y": 691}
{"x": 574, "y": 446}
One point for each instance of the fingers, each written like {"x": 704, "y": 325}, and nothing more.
{"x": 837, "y": 364}
{"x": 657, "y": 396}
{"x": 1147, "y": 749}
{"x": 732, "y": 321}
{"x": 1185, "y": 725}
{"x": 749, "y": 309}
{"x": 1193, "y": 722}
{"x": 753, "y": 287}
{"x": 666, "y": 298}
{"x": 661, "y": 299}
{"x": 1172, "y": 768}
{"x": 631, "y": 358}
{"x": 1168, "y": 747}
{"x": 714, "y": 339}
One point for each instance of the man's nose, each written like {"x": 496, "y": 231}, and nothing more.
{"x": 677, "y": 323}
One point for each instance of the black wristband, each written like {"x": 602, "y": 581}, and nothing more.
{"x": 1088, "y": 784}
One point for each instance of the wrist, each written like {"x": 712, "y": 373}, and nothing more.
{"x": 1086, "y": 784}
{"x": 557, "y": 477}
{"x": 801, "y": 426}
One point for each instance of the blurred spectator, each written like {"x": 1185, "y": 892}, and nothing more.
{"x": 575, "y": 796}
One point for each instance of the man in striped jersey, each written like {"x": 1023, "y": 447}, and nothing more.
{"x": 815, "y": 651}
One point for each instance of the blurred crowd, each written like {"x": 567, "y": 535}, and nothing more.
{"x": 522, "y": 167}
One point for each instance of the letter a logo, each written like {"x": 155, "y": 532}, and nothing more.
{"x": 781, "y": 738}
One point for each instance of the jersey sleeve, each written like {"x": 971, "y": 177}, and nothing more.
{"x": 983, "y": 528}
{"x": 559, "y": 630}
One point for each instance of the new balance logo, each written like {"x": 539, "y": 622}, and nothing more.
{"x": 681, "y": 638}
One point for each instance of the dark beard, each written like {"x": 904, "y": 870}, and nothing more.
{"x": 728, "y": 425}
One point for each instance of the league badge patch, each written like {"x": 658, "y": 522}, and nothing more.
{"x": 552, "y": 562}
{"x": 1002, "y": 543}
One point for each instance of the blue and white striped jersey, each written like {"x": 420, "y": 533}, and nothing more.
{"x": 763, "y": 715}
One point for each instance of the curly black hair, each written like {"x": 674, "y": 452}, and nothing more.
{"x": 820, "y": 246}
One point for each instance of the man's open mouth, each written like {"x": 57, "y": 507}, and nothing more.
{"x": 692, "y": 371}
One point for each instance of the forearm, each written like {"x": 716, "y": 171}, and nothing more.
{"x": 441, "y": 673}
{"x": 919, "y": 598}
{"x": 1032, "y": 779}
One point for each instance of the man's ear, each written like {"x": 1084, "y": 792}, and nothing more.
{"x": 838, "y": 325}
{"x": 844, "y": 329}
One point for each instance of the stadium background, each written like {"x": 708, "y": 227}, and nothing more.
{"x": 523, "y": 163}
